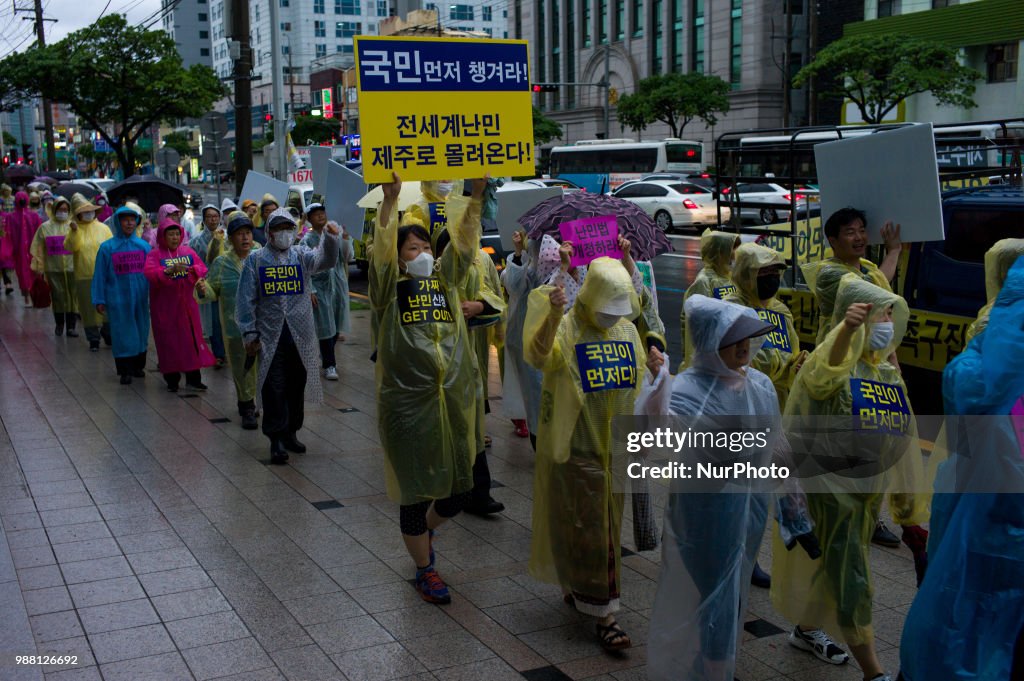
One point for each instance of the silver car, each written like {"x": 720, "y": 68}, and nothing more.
{"x": 674, "y": 204}
{"x": 777, "y": 198}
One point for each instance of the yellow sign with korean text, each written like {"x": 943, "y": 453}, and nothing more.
{"x": 444, "y": 108}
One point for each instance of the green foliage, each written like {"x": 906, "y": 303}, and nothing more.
{"x": 114, "y": 77}
{"x": 675, "y": 99}
{"x": 316, "y": 128}
{"x": 544, "y": 128}
{"x": 179, "y": 141}
{"x": 9, "y": 139}
{"x": 877, "y": 72}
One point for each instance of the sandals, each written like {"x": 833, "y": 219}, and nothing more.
{"x": 612, "y": 637}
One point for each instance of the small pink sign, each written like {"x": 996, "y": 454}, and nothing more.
{"x": 592, "y": 238}
{"x": 55, "y": 245}
{"x": 129, "y": 262}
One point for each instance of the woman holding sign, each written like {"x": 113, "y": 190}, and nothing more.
{"x": 50, "y": 259}
{"x": 173, "y": 270}
{"x": 120, "y": 291}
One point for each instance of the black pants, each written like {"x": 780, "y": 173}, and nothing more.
{"x": 94, "y": 333}
{"x": 284, "y": 389}
{"x": 327, "y": 352}
{"x": 481, "y": 479}
{"x": 412, "y": 518}
{"x": 127, "y": 366}
{"x": 191, "y": 378}
{"x": 66, "y": 320}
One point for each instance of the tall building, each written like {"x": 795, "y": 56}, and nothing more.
{"x": 742, "y": 41}
{"x": 990, "y": 35}
{"x": 188, "y": 22}
{"x": 479, "y": 16}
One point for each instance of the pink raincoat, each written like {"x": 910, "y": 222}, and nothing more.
{"x": 177, "y": 329}
{"x": 150, "y": 235}
{"x": 105, "y": 210}
{"x": 21, "y": 225}
{"x": 6, "y": 247}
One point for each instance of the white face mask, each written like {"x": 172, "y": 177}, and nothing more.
{"x": 420, "y": 266}
{"x": 62, "y": 215}
{"x": 283, "y": 240}
{"x": 444, "y": 188}
{"x": 881, "y": 335}
{"x": 86, "y": 217}
{"x": 605, "y": 320}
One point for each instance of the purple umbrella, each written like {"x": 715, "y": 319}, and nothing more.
{"x": 646, "y": 238}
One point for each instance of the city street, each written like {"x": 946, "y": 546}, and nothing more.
{"x": 143, "y": 532}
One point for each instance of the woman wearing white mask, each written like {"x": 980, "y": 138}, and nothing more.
{"x": 51, "y": 259}
{"x": 275, "y": 315}
{"x": 427, "y": 384}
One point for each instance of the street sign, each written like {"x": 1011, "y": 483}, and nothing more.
{"x": 100, "y": 146}
{"x": 167, "y": 157}
{"x": 214, "y": 124}
{"x": 216, "y": 155}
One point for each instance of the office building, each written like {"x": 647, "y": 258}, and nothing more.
{"x": 188, "y": 22}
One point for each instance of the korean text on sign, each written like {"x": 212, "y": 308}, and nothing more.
{"x": 281, "y": 280}
{"x": 779, "y": 338}
{"x": 606, "y": 365}
{"x": 592, "y": 238}
{"x": 720, "y": 292}
{"x": 185, "y": 260}
{"x": 440, "y": 108}
{"x": 438, "y": 217}
{"x": 423, "y": 301}
{"x": 128, "y": 262}
{"x": 55, "y": 246}
{"x": 879, "y": 407}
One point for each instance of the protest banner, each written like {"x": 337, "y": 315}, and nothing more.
{"x": 258, "y": 184}
{"x": 513, "y": 204}
{"x": 318, "y": 158}
{"x": 444, "y": 108}
{"x": 592, "y": 238}
{"x": 344, "y": 189}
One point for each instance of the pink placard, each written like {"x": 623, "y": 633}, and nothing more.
{"x": 129, "y": 262}
{"x": 592, "y": 238}
{"x": 55, "y": 245}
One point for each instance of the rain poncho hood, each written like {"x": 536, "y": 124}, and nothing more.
{"x": 227, "y": 205}
{"x": 998, "y": 261}
{"x": 48, "y": 257}
{"x": 823, "y": 278}
{"x": 269, "y": 199}
{"x": 716, "y": 250}
{"x": 124, "y": 290}
{"x": 80, "y": 204}
{"x": 715, "y": 318}
{"x": 713, "y": 280}
{"x": 853, "y": 289}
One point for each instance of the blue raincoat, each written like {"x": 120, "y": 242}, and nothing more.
{"x": 118, "y": 283}
{"x": 969, "y": 610}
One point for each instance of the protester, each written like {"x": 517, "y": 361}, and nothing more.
{"x": 227, "y": 207}
{"x": 21, "y": 224}
{"x": 168, "y": 211}
{"x": 426, "y": 372}
{"x": 35, "y": 204}
{"x": 716, "y": 251}
{"x": 51, "y": 260}
{"x": 6, "y": 198}
{"x": 105, "y": 210}
{"x": 275, "y": 315}
{"x": 577, "y": 517}
{"x": 841, "y": 380}
{"x": 998, "y": 261}
{"x": 221, "y": 286}
{"x": 969, "y": 610}
{"x": 251, "y": 209}
{"x": 83, "y": 242}
{"x": 211, "y": 222}
{"x": 267, "y": 206}
{"x": 330, "y": 293}
{"x": 46, "y": 201}
{"x": 6, "y": 258}
{"x": 173, "y": 270}
{"x": 120, "y": 290}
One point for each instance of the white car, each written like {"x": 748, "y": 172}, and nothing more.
{"x": 779, "y": 200}
{"x": 674, "y": 204}
{"x": 101, "y": 183}
{"x": 566, "y": 186}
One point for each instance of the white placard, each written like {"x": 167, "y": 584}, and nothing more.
{"x": 892, "y": 175}
{"x": 318, "y": 158}
{"x": 344, "y": 188}
{"x": 258, "y": 184}
{"x": 513, "y": 203}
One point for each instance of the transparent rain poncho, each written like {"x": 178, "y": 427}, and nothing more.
{"x": 713, "y": 280}
{"x": 577, "y": 517}
{"x": 331, "y": 289}
{"x": 823, "y": 278}
{"x": 998, "y": 261}
{"x": 48, "y": 258}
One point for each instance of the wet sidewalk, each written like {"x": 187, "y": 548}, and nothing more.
{"x": 144, "y": 534}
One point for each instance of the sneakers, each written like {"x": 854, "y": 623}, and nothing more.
{"x": 884, "y": 537}
{"x": 817, "y": 641}
{"x": 196, "y": 387}
{"x": 430, "y": 586}
{"x": 521, "y": 429}
{"x": 331, "y": 373}
{"x": 249, "y": 421}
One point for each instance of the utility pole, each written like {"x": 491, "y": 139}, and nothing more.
{"x": 277, "y": 87}
{"x": 243, "y": 92}
{"x": 51, "y": 152}
{"x": 606, "y": 85}
{"x": 787, "y": 85}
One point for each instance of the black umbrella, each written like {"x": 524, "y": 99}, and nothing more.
{"x": 150, "y": 191}
{"x": 68, "y": 189}
{"x": 20, "y": 172}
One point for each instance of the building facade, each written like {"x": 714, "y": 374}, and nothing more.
{"x": 188, "y": 22}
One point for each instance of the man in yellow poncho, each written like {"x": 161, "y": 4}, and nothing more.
{"x": 998, "y": 261}
{"x": 51, "y": 259}
{"x": 593, "y": 362}
{"x": 83, "y": 242}
{"x": 716, "y": 250}
{"x": 848, "y": 378}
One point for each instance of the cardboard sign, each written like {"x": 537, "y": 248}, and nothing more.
{"x": 258, "y": 184}
{"x": 281, "y": 280}
{"x": 128, "y": 262}
{"x": 606, "y": 365}
{"x": 779, "y": 338}
{"x": 423, "y": 301}
{"x": 647, "y": 272}
{"x": 879, "y": 407}
{"x": 344, "y": 189}
{"x": 55, "y": 245}
{"x": 592, "y": 238}
{"x": 444, "y": 108}
{"x": 513, "y": 204}
{"x": 890, "y": 175}
{"x": 318, "y": 158}
{"x": 185, "y": 260}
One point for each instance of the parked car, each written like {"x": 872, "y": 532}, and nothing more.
{"x": 567, "y": 186}
{"x": 101, "y": 183}
{"x": 777, "y": 198}
{"x": 674, "y": 204}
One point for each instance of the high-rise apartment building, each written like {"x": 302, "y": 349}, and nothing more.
{"x": 188, "y": 22}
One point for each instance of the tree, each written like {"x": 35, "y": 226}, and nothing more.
{"x": 544, "y": 128}
{"x": 178, "y": 141}
{"x": 119, "y": 80}
{"x": 315, "y": 128}
{"x": 9, "y": 139}
{"x": 877, "y": 72}
{"x": 675, "y": 99}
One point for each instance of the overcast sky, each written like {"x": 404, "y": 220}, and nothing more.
{"x": 71, "y": 15}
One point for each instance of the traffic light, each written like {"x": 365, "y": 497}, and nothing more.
{"x": 27, "y": 152}
{"x": 268, "y": 117}
{"x": 544, "y": 87}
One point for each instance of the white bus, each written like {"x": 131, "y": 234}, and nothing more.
{"x": 603, "y": 165}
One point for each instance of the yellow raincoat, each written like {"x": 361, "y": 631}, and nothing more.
{"x": 823, "y": 278}
{"x": 426, "y": 373}
{"x": 998, "y": 261}
{"x": 429, "y": 212}
{"x": 577, "y": 517}
{"x": 835, "y": 592}
{"x": 59, "y": 270}
{"x": 713, "y": 280}
{"x": 83, "y": 241}
{"x": 780, "y": 351}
